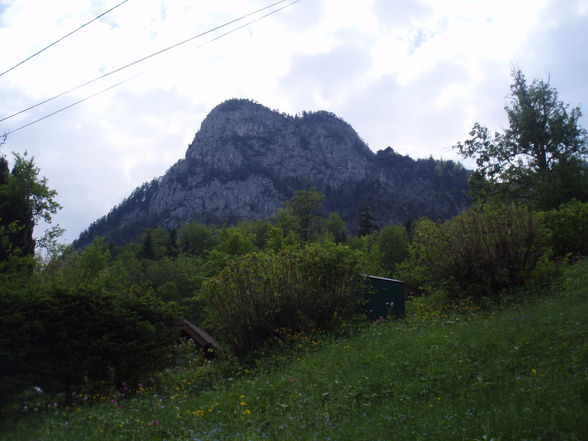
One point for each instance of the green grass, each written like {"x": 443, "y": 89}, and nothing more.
{"x": 518, "y": 374}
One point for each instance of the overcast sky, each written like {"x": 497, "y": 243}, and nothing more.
{"x": 413, "y": 75}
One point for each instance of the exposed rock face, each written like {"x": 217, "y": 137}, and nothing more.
{"x": 247, "y": 160}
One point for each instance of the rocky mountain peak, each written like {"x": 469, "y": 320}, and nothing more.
{"x": 315, "y": 146}
{"x": 247, "y": 160}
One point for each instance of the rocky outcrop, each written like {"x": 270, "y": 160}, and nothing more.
{"x": 246, "y": 161}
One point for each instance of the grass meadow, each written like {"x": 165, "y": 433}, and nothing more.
{"x": 513, "y": 373}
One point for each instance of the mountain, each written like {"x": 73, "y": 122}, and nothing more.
{"x": 246, "y": 161}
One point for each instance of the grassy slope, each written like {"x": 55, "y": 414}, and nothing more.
{"x": 520, "y": 374}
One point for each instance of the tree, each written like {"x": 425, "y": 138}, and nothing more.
{"x": 367, "y": 221}
{"x": 392, "y": 247}
{"x": 157, "y": 243}
{"x": 303, "y": 209}
{"x": 25, "y": 199}
{"x": 235, "y": 242}
{"x": 335, "y": 228}
{"x": 195, "y": 238}
{"x": 540, "y": 158}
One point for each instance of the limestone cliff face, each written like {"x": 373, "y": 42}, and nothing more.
{"x": 318, "y": 147}
{"x": 247, "y": 160}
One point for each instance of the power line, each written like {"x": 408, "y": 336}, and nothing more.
{"x": 62, "y": 38}
{"x": 145, "y": 71}
{"x": 72, "y": 104}
{"x": 79, "y": 86}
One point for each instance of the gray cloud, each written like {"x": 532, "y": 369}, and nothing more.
{"x": 326, "y": 74}
{"x": 397, "y": 115}
{"x": 3, "y": 7}
{"x": 557, "y": 50}
{"x": 400, "y": 12}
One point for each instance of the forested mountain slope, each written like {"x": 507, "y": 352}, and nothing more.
{"x": 246, "y": 161}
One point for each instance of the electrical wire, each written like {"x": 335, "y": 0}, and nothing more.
{"x": 72, "y": 104}
{"x": 145, "y": 71}
{"x": 63, "y": 38}
{"x": 79, "y": 86}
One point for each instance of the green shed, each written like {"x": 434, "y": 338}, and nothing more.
{"x": 386, "y": 297}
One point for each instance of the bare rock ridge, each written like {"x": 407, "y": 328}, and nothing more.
{"x": 246, "y": 161}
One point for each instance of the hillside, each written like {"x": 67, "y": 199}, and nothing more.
{"x": 510, "y": 374}
{"x": 246, "y": 161}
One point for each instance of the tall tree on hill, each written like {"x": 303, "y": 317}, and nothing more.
{"x": 540, "y": 159}
{"x": 367, "y": 221}
{"x": 304, "y": 208}
{"x": 25, "y": 199}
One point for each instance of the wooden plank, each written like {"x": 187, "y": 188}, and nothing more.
{"x": 199, "y": 336}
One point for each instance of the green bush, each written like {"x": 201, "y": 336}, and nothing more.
{"x": 568, "y": 228}
{"x": 476, "y": 254}
{"x": 59, "y": 339}
{"x": 259, "y": 294}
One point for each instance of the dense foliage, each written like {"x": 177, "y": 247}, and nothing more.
{"x": 477, "y": 254}
{"x": 59, "y": 339}
{"x": 567, "y": 229}
{"x": 263, "y": 294}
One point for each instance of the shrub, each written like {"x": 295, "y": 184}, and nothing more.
{"x": 296, "y": 289}
{"x": 59, "y": 338}
{"x": 476, "y": 254}
{"x": 568, "y": 228}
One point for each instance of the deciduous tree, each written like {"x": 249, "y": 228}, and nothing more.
{"x": 304, "y": 208}
{"x": 540, "y": 159}
{"x": 25, "y": 200}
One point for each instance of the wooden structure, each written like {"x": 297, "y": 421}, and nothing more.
{"x": 197, "y": 335}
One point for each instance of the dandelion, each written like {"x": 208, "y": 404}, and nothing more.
{"x": 242, "y": 403}
{"x": 534, "y": 371}
{"x": 247, "y": 412}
